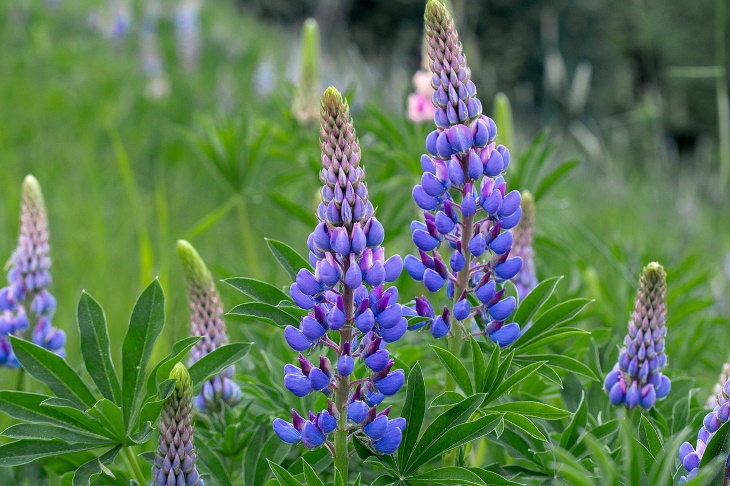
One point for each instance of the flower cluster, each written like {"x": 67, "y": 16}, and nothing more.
{"x": 714, "y": 399}
{"x": 526, "y": 279}
{"x": 464, "y": 198}
{"x": 187, "y": 33}
{"x": 175, "y": 458}
{"x": 306, "y": 106}
{"x": 25, "y": 301}
{"x": 637, "y": 378}
{"x": 206, "y": 321}
{"x": 345, "y": 294}
{"x": 690, "y": 456}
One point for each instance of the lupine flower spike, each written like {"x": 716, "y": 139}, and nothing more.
{"x": 345, "y": 296}
{"x": 176, "y": 457}
{"x": 25, "y": 301}
{"x": 306, "y": 106}
{"x": 637, "y": 378}
{"x": 691, "y": 456}
{"x": 187, "y": 33}
{"x": 526, "y": 279}
{"x": 206, "y": 320}
{"x": 467, "y": 209}
{"x": 714, "y": 399}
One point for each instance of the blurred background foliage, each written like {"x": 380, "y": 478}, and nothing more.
{"x": 221, "y": 161}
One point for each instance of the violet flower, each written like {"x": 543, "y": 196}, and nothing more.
{"x": 467, "y": 209}
{"x": 690, "y": 456}
{"x": 206, "y": 321}
{"x": 175, "y": 458}
{"x": 637, "y": 378}
{"x": 526, "y": 279}
{"x": 714, "y": 399}
{"x": 25, "y": 301}
{"x": 346, "y": 297}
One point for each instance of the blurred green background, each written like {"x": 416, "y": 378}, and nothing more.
{"x": 214, "y": 155}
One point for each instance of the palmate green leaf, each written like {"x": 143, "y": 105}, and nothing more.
{"x": 51, "y": 432}
{"x": 492, "y": 478}
{"x": 448, "y": 475}
{"x": 479, "y": 367}
{"x": 28, "y": 407}
{"x": 216, "y": 361}
{"x": 210, "y": 465}
{"x": 264, "y": 446}
{"x": 152, "y": 406}
{"x": 283, "y": 476}
{"x": 264, "y": 312}
{"x": 145, "y": 326}
{"x": 310, "y": 476}
{"x": 559, "y": 314}
{"x": 653, "y": 440}
{"x": 88, "y": 471}
{"x": 76, "y": 416}
{"x": 563, "y": 362}
{"x": 161, "y": 371}
{"x": 530, "y": 409}
{"x": 552, "y": 336}
{"x": 501, "y": 372}
{"x": 492, "y": 369}
{"x": 446, "y": 399}
{"x": 514, "y": 379}
{"x": 452, "y": 437}
{"x": 53, "y": 371}
{"x": 414, "y": 410}
{"x": 95, "y": 347}
{"x": 524, "y": 424}
{"x": 455, "y": 368}
{"x": 554, "y": 177}
{"x": 110, "y": 417}
{"x": 288, "y": 258}
{"x": 570, "y": 435}
{"x": 24, "y": 451}
{"x": 452, "y": 417}
{"x": 258, "y": 290}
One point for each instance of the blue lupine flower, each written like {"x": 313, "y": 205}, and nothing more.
{"x": 345, "y": 294}
{"x": 25, "y": 302}
{"x": 637, "y": 378}
{"x": 206, "y": 321}
{"x": 175, "y": 459}
{"x": 690, "y": 456}
{"x": 526, "y": 278}
{"x": 467, "y": 209}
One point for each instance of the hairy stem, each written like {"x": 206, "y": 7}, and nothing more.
{"x": 462, "y": 282}
{"x": 249, "y": 245}
{"x": 342, "y": 459}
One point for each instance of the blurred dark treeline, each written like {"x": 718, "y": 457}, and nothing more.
{"x": 531, "y": 49}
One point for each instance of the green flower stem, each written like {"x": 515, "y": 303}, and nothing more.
{"x": 342, "y": 457}
{"x": 249, "y": 245}
{"x": 133, "y": 465}
{"x": 462, "y": 283}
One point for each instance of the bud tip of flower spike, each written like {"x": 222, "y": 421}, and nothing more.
{"x": 435, "y": 11}
{"x": 194, "y": 268}
{"x": 32, "y": 188}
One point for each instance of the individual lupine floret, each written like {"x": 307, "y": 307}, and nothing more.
{"x": 345, "y": 294}
{"x": 467, "y": 208}
{"x": 637, "y": 378}
{"x": 690, "y": 456}
{"x": 176, "y": 457}
{"x": 526, "y": 278}
{"x": 305, "y": 107}
{"x": 206, "y": 321}
{"x": 714, "y": 399}
{"x": 25, "y": 301}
